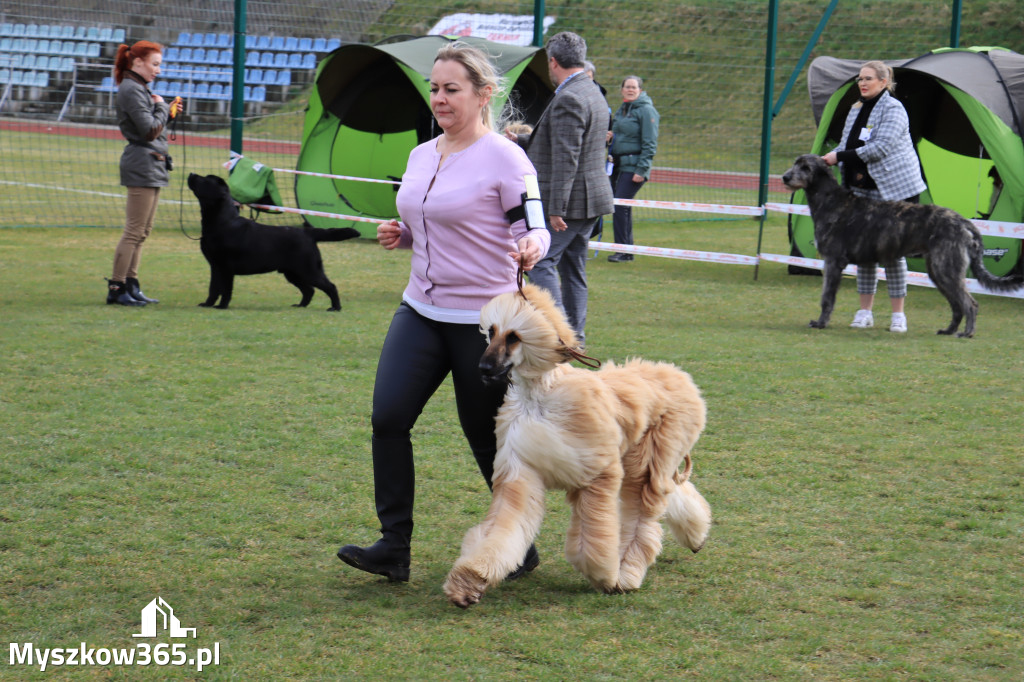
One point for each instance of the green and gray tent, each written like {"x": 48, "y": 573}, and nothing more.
{"x": 370, "y": 108}
{"x": 965, "y": 109}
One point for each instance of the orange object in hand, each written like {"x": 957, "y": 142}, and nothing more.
{"x": 175, "y": 106}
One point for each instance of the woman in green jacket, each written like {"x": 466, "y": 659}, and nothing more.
{"x": 634, "y": 143}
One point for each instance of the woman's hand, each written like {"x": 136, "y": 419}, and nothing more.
{"x": 638, "y": 178}
{"x": 830, "y": 159}
{"x": 529, "y": 253}
{"x": 388, "y": 234}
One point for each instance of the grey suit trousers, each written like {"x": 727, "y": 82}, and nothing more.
{"x": 563, "y": 272}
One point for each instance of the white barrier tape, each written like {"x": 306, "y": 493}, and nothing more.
{"x": 337, "y": 177}
{"x": 686, "y": 206}
{"x": 682, "y": 254}
{"x": 918, "y": 278}
{"x": 797, "y": 209}
{"x": 993, "y": 228}
{"x": 322, "y": 214}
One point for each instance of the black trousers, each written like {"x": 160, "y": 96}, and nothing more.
{"x": 623, "y": 187}
{"x": 418, "y": 354}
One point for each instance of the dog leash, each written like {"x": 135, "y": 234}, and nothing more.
{"x": 173, "y": 127}
{"x": 576, "y": 355}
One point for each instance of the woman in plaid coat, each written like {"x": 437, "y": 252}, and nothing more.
{"x": 877, "y": 158}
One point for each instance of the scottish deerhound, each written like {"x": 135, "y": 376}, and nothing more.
{"x": 852, "y": 229}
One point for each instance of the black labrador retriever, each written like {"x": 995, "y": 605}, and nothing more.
{"x": 234, "y": 245}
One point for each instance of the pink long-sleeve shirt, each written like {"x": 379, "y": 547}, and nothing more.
{"x": 453, "y": 218}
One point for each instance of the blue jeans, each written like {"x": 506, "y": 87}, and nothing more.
{"x": 563, "y": 271}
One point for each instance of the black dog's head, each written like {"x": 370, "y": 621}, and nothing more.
{"x": 208, "y": 188}
{"x": 807, "y": 170}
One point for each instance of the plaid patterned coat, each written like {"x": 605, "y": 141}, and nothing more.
{"x": 567, "y": 147}
{"x": 889, "y": 152}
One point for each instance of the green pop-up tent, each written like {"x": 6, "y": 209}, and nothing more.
{"x": 370, "y": 107}
{"x": 965, "y": 110}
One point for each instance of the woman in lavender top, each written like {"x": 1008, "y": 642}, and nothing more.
{"x": 458, "y": 203}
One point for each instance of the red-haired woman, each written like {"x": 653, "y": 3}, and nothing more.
{"x": 142, "y": 116}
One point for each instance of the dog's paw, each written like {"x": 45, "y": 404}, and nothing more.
{"x": 464, "y": 587}
{"x": 206, "y": 304}
{"x": 817, "y": 324}
{"x": 334, "y": 309}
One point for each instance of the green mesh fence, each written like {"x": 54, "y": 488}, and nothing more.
{"x": 702, "y": 61}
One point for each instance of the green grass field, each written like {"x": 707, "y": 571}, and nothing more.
{"x": 866, "y": 487}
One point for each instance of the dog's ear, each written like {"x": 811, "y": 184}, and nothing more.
{"x": 542, "y": 301}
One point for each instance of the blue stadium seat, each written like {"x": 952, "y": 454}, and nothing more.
{"x": 7, "y": 29}
{"x": 295, "y": 60}
{"x": 67, "y": 32}
{"x": 40, "y": 79}
{"x": 225, "y": 40}
{"x": 184, "y": 39}
{"x": 19, "y": 30}
{"x": 217, "y": 91}
{"x": 284, "y": 77}
{"x": 333, "y": 44}
{"x": 5, "y": 75}
{"x": 93, "y": 50}
{"x": 43, "y": 31}
{"x": 79, "y": 33}
{"x": 267, "y": 59}
{"x": 281, "y": 60}
{"x": 172, "y": 55}
{"x": 197, "y": 40}
{"x": 107, "y": 85}
{"x": 309, "y": 61}
{"x": 28, "y": 61}
{"x": 118, "y": 35}
{"x": 5, "y": 44}
{"x": 263, "y": 43}
{"x": 80, "y": 49}
{"x": 105, "y": 34}
{"x": 199, "y": 55}
{"x": 68, "y": 47}
{"x": 53, "y": 64}
{"x": 67, "y": 64}
{"x": 259, "y": 94}
{"x": 43, "y": 46}
{"x": 210, "y": 40}
{"x": 319, "y": 45}
{"x": 291, "y": 44}
{"x": 160, "y": 87}
{"x": 255, "y": 76}
{"x": 277, "y": 43}
{"x": 185, "y": 55}
{"x": 246, "y": 93}
{"x": 304, "y": 45}
{"x": 31, "y": 44}
{"x": 31, "y": 30}
{"x": 250, "y": 42}
{"x": 201, "y": 91}
{"x": 226, "y": 58}
{"x": 252, "y": 58}
{"x": 92, "y": 33}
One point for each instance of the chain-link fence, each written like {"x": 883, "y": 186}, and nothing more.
{"x": 703, "y": 63}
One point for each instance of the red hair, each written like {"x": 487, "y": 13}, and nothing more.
{"x": 125, "y": 56}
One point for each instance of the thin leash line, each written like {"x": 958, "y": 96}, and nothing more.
{"x": 184, "y": 163}
{"x": 576, "y": 355}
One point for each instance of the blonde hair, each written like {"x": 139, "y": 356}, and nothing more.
{"x": 883, "y": 72}
{"x": 481, "y": 71}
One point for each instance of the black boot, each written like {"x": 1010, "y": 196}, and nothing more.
{"x": 132, "y": 285}
{"x": 394, "y": 485}
{"x": 388, "y": 556}
{"x": 530, "y": 562}
{"x": 117, "y": 292}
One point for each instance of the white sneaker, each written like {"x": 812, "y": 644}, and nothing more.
{"x": 899, "y": 323}
{"x": 863, "y": 319}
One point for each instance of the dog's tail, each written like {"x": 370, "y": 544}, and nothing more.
{"x": 688, "y": 513}
{"x": 1010, "y": 282}
{"x": 332, "y": 234}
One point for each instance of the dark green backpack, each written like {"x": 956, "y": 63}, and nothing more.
{"x": 252, "y": 182}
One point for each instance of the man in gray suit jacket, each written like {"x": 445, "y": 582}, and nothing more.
{"x": 567, "y": 147}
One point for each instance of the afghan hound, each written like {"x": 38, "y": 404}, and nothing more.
{"x": 612, "y": 439}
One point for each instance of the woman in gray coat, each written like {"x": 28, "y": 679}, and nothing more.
{"x": 142, "y": 116}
